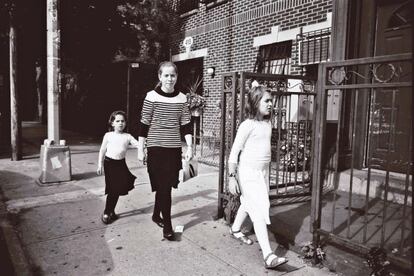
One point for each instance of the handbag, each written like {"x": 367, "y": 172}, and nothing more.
{"x": 190, "y": 169}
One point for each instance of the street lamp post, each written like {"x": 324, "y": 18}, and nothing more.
{"x": 54, "y": 153}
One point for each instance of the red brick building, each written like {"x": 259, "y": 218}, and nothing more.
{"x": 363, "y": 146}
{"x": 244, "y": 35}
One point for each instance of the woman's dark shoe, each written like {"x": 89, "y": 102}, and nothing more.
{"x": 106, "y": 219}
{"x": 169, "y": 236}
{"x": 158, "y": 221}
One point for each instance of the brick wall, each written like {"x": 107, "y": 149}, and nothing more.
{"x": 228, "y": 29}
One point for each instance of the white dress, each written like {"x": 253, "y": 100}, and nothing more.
{"x": 251, "y": 150}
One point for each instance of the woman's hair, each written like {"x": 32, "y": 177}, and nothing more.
{"x": 112, "y": 118}
{"x": 253, "y": 100}
{"x": 165, "y": 64}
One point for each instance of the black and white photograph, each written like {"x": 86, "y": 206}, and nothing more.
{"x": 206, "y": 137}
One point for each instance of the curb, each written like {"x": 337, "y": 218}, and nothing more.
{"x": 13, "y": 247}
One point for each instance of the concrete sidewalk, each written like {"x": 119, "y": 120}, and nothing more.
{"x": 56, "y": 229}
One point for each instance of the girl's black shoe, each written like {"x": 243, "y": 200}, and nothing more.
{"x": 113, "y": 216}
{"x": 158, "y": 221}
{"x": 169, "y": 236}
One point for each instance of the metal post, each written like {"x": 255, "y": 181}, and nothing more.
{"x": 220, "y": 207}
{"x": 318, "y": 154}
{"x": 54, "y": 154}
{"x": 53, "y": 72}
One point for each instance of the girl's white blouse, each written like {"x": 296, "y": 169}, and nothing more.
{"x": 252, "y": 142}
{"x": 117, "y": 144}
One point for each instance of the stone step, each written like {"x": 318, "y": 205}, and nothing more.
{"x": 377, "y": 183}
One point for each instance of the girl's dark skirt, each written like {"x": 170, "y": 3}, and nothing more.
{"x": 164, "y": 165}
{"x": 118, "y": 179}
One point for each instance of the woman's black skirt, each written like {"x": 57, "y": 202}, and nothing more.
{"x": 164, "y": 165}
{"x": 118, "y": 179}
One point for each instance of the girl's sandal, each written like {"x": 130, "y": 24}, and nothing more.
{"x": 238, "y": 235}
{"x": 275, "y": 262}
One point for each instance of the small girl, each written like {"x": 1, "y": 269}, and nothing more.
{"x": 250, "y": 157}
{"x": 118, "y": 179}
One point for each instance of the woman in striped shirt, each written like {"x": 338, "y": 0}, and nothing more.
{"x": 165, "y": 117}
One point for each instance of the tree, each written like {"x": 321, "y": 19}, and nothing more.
{"x": 119, "y": 30}
{"x": 94, "y": 35}
{"x": 8, "y": 10}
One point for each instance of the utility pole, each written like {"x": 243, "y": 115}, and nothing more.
{"x": 53, "y": 72}
{"x": 15, "y": 124}
{"x": 54, "y": 154}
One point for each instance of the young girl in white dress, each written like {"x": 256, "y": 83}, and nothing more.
{"x": 250, "y": 159}
{"x": 118, "y": 179}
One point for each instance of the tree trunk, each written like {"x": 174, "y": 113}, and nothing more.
{"x": 14, "y": 103}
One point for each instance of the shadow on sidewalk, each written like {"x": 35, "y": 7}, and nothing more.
{"x": 58, "y": 235}
{"x": 84, "y": 176}
{"x": 199, "y": 214}
{"x": 290, "y": 225}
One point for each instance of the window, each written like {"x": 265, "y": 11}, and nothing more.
{"x": 185, "y": 6}
{"x": 314, "y": 46}
{"x": 213, "y": 3}
{"x": 402, "y": 16}
{"x": 274, "y": 58}
{"x": 207, "y": 1}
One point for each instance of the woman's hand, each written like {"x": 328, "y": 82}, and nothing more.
{"x": 189, "y": 153}
{"x": 234, "y": 188}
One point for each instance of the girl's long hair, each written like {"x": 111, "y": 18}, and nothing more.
{"x": 112, "y": 118}
{"x": 253, "y": 101}
{"x": 165, "y": 64}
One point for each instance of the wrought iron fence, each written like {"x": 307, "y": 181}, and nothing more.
{"x": 208, "y": 138}
{"x": 371, "y": 204}
{"x": 293, "y": 98}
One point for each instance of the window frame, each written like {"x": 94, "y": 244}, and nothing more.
{"x": 275, "y": 58}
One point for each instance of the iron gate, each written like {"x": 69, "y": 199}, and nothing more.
{"x": 370, "y": 206}
{"x": 291, "y": 134}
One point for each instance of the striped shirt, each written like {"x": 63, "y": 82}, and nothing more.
{"x": 164, "y": 117}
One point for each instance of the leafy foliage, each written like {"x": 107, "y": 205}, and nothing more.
{"x": 313, "y": 253}
{"x": 195, "y": 100}
{"x": 294, "y": 146}
{"x": 119, "y": 30}
{"x": 378, "y": 262}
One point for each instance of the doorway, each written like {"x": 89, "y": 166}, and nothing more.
{"x": 391, "y": 113}
{"x": 190, "y": 78}
{"x": 189, "y": 71}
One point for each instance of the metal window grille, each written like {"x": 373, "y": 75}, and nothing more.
{"x": 274, "y": 58}
{"x": 187, "y": 5}
{"x": 277, "y": 66}
{"x": 314, "y": 46}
